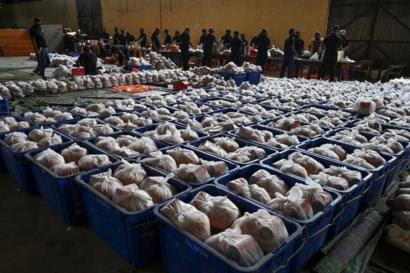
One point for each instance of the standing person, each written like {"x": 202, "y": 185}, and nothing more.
{"x": 142, "y": 39}
{"x": 331, "y": 44}
{"x": 244, "y": 47}
{"x": 105, "y": 36}
{"x": 168, "y": 38}
{"x": 130, "y": 38}
{"x": 236, "y": 48}
{"x": 40, "y": 48}
{"x": 88, "y": 60}
{"x": 345, "y": 41}
{"x": 116, "y": 37}
{"x": 68, "y": 41}
{"x": 253, "y": 40}
{"x": 123, "y": 39}
{"x": 299, "y": 47}
{"x": 156, "y": 44}
{"x": 185, "y": 41}
{"x": 208, "y": 46}
{"x": 202, "y": 38}
{"x": 289, "y": 55}
{"x": 227, "y": 39}
{"x": 316, "y": 44}
{"x": 262, "y": 43}
{"x": 176, "y": 37}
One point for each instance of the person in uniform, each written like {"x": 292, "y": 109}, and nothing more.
{"x": 262, "y": 43}
{"x": 185, "y": 42}
{"x": 331, "y": 44}
{"x": 168, "y": 38}
{"x": 236, "y": 44}
{"x": 142, "y": 39}
{"x": 208, "y": 45}
{"x": 289, "y": 55}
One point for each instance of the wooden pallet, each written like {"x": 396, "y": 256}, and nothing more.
{"x": 15, "y": 42}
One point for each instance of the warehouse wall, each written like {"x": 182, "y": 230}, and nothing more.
{"x": 247, "y": 16}
{"x": 62, "y": 12}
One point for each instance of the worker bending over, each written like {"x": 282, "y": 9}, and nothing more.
{"x": 88, "y": 60}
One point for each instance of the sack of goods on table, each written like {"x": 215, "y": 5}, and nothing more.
{"x": 300, "y": 201}
{"x": 21, "y": 142}
{"x": 192, "y": 108}
{"x": 379, "y": 144}
{"x": 86, "y": 128}
{"x": 72, "y": 160}
{"x": 158, "y": 100}
{"x": 256, "y": 109}
{"x": 186, "y": 165}
{"x": 328, "y": 113}
{"x": 281, "y": 141}
{"x": 126, "y": 146}
{"x": 47, "y": 116}
{"x": 131, "y": 188}
{"x": 398, "y": 232}
{"x": 8, "y": 124}
{"x": 168, "y": 133}
{"x": 367, "y": 159}
{"x": 298, "y": 164}
{"x": 228, "y": 148}
{"x": 294, "y": 127}
{"x": 93, "y": 110}
{"x": 127, "y": 105}
{"x": 217, "y": 221}
{"x": 128, "y": 121}
{"x": 164, "y": 114}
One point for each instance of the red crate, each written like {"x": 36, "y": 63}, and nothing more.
{"x": 78, "y": 71}
{"x": 180, "y": 86}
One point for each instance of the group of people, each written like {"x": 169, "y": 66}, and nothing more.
{"x": 237, "y": 43}
{"x": 325, "y": 49}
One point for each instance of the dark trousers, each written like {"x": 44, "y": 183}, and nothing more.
{"x": 328, "y": 67}
{"x": 287, "y": 63}
{"x": 43, "y": 60}
{"x": 207, "y": 59}
{"x": 185, "y": 59}
{"x": 261, "y": 61}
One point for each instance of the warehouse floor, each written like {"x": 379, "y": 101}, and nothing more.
{"x": 34, "y": 240}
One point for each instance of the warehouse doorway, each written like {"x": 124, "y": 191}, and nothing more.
{"x": 89, "y": 17}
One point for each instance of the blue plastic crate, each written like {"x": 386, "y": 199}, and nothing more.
{"x": 56, "y": 126}
{"x": 314, "y": 230}
{"x": 266, "y": 122}
{"x": 145, "y": 67}
{"x": 398, "y": 165}
{"x": 380, "y": 175}
{"x": 254, "y": 118}
{"x": 345, "y": 121}
{"x": 225, "y": 75}
{"x": 60, "y": 193}
{"x": 239, "y": 78}
{"x": 141, "y": 131}
{"x": 200, "y": 118}
{"x": 349, "y": 206}
{"x": 21, "y": 117}
{"x": 4, "y": 107}
{"x": 93, "y": 142}
{"x": 18, "y": 166}
{"x": 273, "y": 131}
{"x": 177, "y": 106}
{"x": 183, "y": 253}
{"x": 123, "y": 129}
{"x": 253, "y": 77}
{"x": 210, "y": 102}
{"x": 242, "y": 143}
{"x": 200, "y": 155}
{"x": 132, "y": 235}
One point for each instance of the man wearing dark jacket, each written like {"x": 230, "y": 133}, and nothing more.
{"x": 236, "y": 45}
{"x": 142, "y": 39}
{"x": 156, "y": 44}
{"x": 331, "y": 44}
{"x": 88, "y": 60}
{"x": 289, "y": 55}
{"x": 185, "y": 41}
{"x": 227, "y": 39}
{"x": 168, "y": 38}
{"x": 262, "y": 43}
{"x": 208, "y": 45}
{"x": 40, "y": 48}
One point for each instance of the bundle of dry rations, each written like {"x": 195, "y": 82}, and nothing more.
{"x": 306, "y": 167}
{"x": 217, "y": 221}
{"x": 295, "y": 127}
{"x": 186, "y": 165}
{"x": 8, "y": 124}
{"x": 376, "y": 128}
{"x": 47, "y": 116}
{"x": 329, "y": 112}
{"x": 93, "y": 110}
{"x": 126, "y": 146}
{"x": 300, "y": 201}
{"x": 21, "y": 142}
{"x": 127, "y": 105}
{"x": 367, "y": 159}
{"x": 158, "y": 100}
{"x": 71, "y": 160}
{"x": 281, "y": 141}
{"x": 130, "y": 187}
{"x": 381, "y": 144}
{"x": 398, "y": 232}
{"x": 209, "y": 124}
{"x": 86, "y": 128}
{"x": 237, "y": 118}
{"x": 230, "y": 149}
{"x": 221, "y": 103}
{"x": 192, "y": 108}
{"x": 128, "y": 121}
{"x": 170, "y": 134}
{"x": 256, "y": 109}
